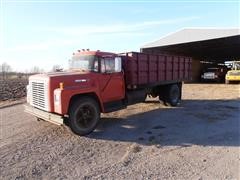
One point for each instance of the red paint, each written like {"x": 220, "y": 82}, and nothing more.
{"x": 143, "y": 69}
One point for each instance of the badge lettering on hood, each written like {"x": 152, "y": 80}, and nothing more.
{"x": 80, "y": 80}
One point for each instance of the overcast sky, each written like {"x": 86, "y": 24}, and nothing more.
{"x": 45, "y": 33}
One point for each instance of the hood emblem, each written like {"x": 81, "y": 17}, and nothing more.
{"x": 80, "y": 80}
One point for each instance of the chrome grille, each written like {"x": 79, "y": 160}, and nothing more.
{"x": 39, "y": 94}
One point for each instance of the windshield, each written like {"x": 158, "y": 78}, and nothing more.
{"x": 86, "y": 63}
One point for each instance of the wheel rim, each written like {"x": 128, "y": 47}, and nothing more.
{"x": 85, "y": 117}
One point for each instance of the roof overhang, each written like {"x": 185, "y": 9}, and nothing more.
{"x": 225, "y": 47}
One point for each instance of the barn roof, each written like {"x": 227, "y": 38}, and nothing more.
{"x": 208, "y": 44}
{"x": 192, "y": 35}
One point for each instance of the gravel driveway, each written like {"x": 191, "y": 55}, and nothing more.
{"x": 198, "y": 140}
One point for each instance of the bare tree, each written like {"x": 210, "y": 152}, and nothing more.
{"x": 36, "y": 70}
{"x": 26, "y": 73}
{"x": 5, "y": 70}
{"x": 57, "y": 68}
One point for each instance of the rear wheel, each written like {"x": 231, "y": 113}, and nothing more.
{"x": 171, "y": 95}
{"x": 84, "y": 116}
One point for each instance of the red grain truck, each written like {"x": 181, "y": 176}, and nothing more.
{"x": 101, "y": 82}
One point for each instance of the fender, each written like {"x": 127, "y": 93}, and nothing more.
{"x": 62, "y": 98}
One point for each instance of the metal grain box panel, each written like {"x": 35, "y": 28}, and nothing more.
{"x": 143, "y": 69}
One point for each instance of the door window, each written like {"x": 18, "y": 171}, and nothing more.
{"x": 107, "y": 65}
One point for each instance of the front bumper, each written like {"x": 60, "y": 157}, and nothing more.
{"x": 53, "y": 118}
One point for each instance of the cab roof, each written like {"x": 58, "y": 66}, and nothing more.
{"x": 94, "y": 53}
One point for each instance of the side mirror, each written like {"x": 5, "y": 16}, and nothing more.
{"x": 118, "y": 64}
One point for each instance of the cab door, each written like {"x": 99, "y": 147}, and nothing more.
{"x": 111, "y": 81}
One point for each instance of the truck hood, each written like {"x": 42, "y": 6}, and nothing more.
{"x": 51, "y": 81}
{"x": 233, "y": 73}
{"x": 65, "y": 73}
{"x": 68, "y": 78}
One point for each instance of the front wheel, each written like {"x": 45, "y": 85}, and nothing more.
{"x": 84, "y": 116}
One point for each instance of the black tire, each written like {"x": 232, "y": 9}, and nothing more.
{"x": 171, "y": 95}
{"x": 84, "y": 116}
{"x": 162, "y": 95}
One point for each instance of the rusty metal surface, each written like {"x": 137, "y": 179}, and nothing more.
{"x": 145, "y": 69}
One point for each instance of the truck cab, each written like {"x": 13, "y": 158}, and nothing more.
{"x": 94, "y": 77}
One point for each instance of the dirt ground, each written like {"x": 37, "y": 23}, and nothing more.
{"x": 12, "y": 89}
{"x": 198, "y": 140}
